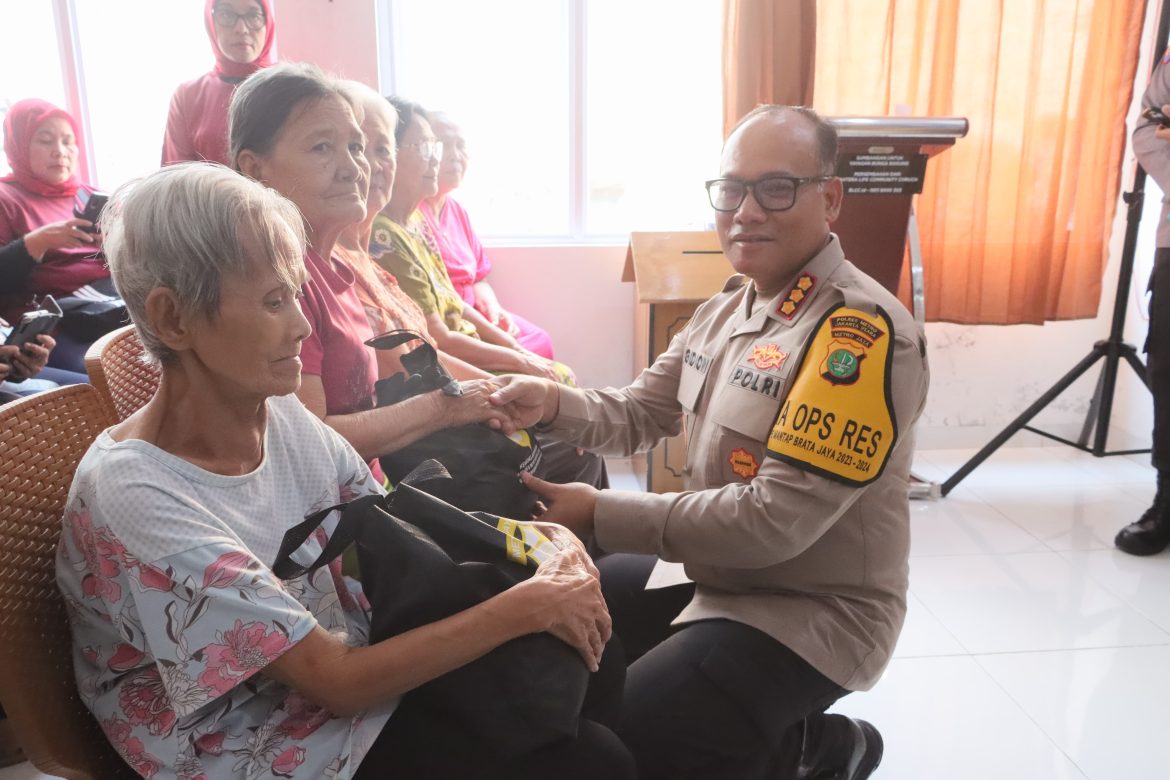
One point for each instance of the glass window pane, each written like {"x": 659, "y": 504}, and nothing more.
{"x": 653, "y": 114}
{"x": 128, "y": 101}
{"x": 506, "y": 84}
{"x": 30, "y": 66}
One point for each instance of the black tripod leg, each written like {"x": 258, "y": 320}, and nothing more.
{"x": 1138, "y": 366}
{"x": 1018, "y": 423}
{"x": 1091, "y": 415}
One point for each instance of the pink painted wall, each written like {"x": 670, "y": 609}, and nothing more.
{"x": 338, "y": 35}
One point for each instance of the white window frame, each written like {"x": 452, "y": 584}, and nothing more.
{"x": 73, "y": 74}
{"x": 388, "y": 67}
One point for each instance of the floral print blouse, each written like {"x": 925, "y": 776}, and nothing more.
{"x": 404, "y": 253}
{"x": 164, "y": 568}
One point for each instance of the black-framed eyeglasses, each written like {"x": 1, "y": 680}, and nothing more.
{"x": 427, "y": 149}
{"x": 773, "y": 193}
{"x": 227, "y": 18}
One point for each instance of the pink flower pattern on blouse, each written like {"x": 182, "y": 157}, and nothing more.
{"x": 168, "y": 652}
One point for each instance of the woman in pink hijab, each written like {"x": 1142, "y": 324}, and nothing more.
{"x": 44, "y": 249}
{"x": 243, "y": 37}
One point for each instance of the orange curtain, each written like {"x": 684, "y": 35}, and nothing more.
{"x": 1015, "y": 219}
{"x": 769, "y": 47}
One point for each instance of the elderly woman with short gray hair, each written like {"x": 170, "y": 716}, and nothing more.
{"x": 195, "y": 659}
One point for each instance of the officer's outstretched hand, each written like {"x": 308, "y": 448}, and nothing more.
{"x": 570, "y": 505}
{"x": 529, "y": 399}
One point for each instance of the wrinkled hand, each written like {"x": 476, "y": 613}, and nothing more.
{"x": 66, "y": 234}
{"x": 528, "y": 400}
{"x": 571, "y": 505}
{"x": 538, "y": 366}
{"x": 475, "y": 406}
{"x": 564, "y": 598}
{"x": 564, "y": 539}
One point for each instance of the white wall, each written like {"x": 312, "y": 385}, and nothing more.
{"x": 576, "y": 293}
{"x": 338, "y": 36}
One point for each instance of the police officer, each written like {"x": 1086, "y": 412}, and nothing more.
{"x": 798, "y": 386}
{"x": 1151, "y": 142}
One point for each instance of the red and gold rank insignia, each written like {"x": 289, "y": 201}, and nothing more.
{"x": 743, "y": 463}
{"x": 796, "y": 296}
{"x": 767, "y": 357}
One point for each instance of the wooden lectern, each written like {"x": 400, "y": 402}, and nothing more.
{"x": 882, "y": 162}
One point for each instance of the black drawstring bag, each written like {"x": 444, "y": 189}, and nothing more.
{"x": 92, "y": 311}
{"x": 423, "y": 560}
{"x": 484, "y": 464}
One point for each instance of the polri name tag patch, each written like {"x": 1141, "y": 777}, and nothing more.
{"x": 838, "y": 418}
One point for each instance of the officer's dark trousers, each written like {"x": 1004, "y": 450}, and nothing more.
{"x": 713, "y": 699}
{"x": 1158, "y": 358}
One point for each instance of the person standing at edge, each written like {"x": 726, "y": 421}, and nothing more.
{"x": 798, "y": 386}
{"x": 1150, "y": 533}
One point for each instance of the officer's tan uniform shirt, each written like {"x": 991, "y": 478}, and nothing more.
{"x": 816, "y": 560}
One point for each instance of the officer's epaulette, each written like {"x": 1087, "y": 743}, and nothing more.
{"x": 796, "y": 297}
{"x": 855, "y": 298}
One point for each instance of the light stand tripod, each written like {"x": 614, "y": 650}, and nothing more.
{"x": 1113, "y": 349}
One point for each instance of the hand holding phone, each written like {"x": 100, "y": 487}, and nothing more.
{"x": 34, "y": 323}
{"x": 88, "y": 204}
{"x": 1156, "y": 115}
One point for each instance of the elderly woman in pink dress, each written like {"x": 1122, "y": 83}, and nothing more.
{"x": 459, "y": 246}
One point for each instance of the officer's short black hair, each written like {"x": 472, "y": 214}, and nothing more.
{"x": 826, "y": 133}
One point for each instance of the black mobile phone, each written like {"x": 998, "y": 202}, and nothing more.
{"x": 34, "y": 323}
{"x": 1156, "y": 115}
{"x": 88, "y": 204}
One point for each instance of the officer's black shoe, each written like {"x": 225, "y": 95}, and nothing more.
{"x": 1150, "y": 534}
{"x": 855, "y": 750}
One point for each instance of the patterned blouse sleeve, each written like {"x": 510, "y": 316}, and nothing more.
{"x": 400, "y": 258}
{"x": 211, "y": 616}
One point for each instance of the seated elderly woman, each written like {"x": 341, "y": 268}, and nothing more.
{"x": 193, "y": 656}
{"x": 44, "y": 249}
{"x": 449, "y": 229}
{"x": 399, "y": 245}
{"x": 295, "y": 130}
{"x": 387, "y": 306}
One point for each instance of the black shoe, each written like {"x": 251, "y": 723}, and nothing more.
{"x": 855, "y": 760}
{"x": 1149, "y": 535}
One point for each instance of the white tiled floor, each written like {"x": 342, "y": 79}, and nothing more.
{"x": 1032, "y": 649}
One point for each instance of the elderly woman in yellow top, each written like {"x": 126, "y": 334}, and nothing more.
{"x": 195, "y": 658}
{"x": 399, "y": 245}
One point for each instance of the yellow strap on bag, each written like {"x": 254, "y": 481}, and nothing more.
{"x": 838, "y": 419}
{"x": 524, "y": 544}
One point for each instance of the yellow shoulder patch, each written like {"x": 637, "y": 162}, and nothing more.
{"x": 838, "y": 419}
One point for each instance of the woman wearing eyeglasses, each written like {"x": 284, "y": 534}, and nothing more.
{"x": 399, "y": 244}
{"x": 243, "y": 35}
